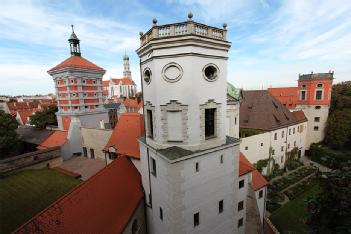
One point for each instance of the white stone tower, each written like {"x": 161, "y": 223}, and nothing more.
{"x": 126, "y": 68}
{"x": 189, "y": 166}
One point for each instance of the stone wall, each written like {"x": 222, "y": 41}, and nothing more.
{"x": 33, "y": 160}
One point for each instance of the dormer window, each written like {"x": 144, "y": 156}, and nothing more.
{"x": 72, "y": 81}
{"x": 320, "y": 85}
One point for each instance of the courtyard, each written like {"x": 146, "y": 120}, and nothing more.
{"x": 26, "y": 193}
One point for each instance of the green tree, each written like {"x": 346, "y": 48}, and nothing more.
{"x": 9, "y": 141}
{"x": 330, "y": 211}
{"x": 338, "y": 132}
{"x": 43, "y": 118}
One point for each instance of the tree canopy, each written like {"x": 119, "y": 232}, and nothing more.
{"x": 338, "y": 132}
{"x": 330, "y": 211}
{"x": 8, "y": 137}
{"x": 43, "y": 118}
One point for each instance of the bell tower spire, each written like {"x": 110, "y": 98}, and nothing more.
{"x": 126, "y": 71}
{"x": 74, "y": 43}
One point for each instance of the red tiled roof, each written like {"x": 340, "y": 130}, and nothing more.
{"x": 124, "y": 80}
{"x": 77, "y": 62}
{"x": 258, "y": 181}
{"x": 24, "y": 114}
{"x": 244, "y": 165}
{"x": 300, "y": 115}
{"x": 288, "y": 96}
{"x": 58, "y": 138}
{"x": 105, "y": 83}
{"x": 124, "y": 138}
{"x": 102, "y": 204}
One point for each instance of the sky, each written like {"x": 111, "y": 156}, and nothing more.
{"x": 272, "y": 40}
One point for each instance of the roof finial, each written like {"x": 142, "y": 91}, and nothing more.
{"x": 72, "y": 28}
{"x": 190, "y": 16}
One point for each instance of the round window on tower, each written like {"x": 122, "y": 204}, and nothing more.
{"x": 147, "y": 75}
{"x": 172, "y": 72}
{"x": 210, "y": 72}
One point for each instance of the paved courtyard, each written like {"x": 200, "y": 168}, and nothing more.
{"x": 84, "y": 166}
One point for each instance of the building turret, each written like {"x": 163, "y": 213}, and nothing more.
{"x": 74, "y": 43}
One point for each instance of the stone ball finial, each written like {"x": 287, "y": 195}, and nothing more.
{"x": 225, "y": 25}
{"x": 190, "y": 15}
{"x": 141, "y": 33}
{"x": 154, "y": 21}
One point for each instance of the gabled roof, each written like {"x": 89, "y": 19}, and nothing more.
{"x": 300, "y": 115}
{"x": 77, "y": 62}
{"x": 124, "y": 138}
{"x": 260, "y": 110}
{"x": 244, "y": 165}
{"x": 102, "y": 204}
{"x": 129, "y": 102}
{"x": 25, "y": 114}
{"x": 124, "y": 81}
{"x": 58, "y": 138}
{"x": 258, "y": 181}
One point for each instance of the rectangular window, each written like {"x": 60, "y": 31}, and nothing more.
{"x": 92, "y": 153}
{"x": 301, "y": 128}
{"x": 220, "y": 206}
{"x": 210, "y": 122}
{"x": 273, "y": 152}
{"x": 319, "y": 94}
{"x": 235, "y": 121}
{"x": 275, "y": 136}
{"x": 261, "y": 144}
{"x": 197, "y": 167}
{"x": 161, "y": 213}
{"x": 240, "y": 205}
{"x": 241, "y": 183}
{"x": 240, "y": 222}
{"x": 293, "y": 130}
{"x": 294, "y": 143}
{"x": 316, "y": 128}
{"x": 175, "y": 126}
{"x": 153, "y": 167}
{"x": 281, "y": 159}
{"x": 221, "y": 159}
{"x": 150, "y": 124}
{"x": 303, "y": 95}
{"x": 282, "y": 148}
{"x": 85, "y": 152}
{"x": 282, "y": 134}
{"x": 317, "y": 119}
{"x": 246, "y": 148}
{"x": 260, "y": 193}
{"x": 196, "y": 219}
{"x": 288, "y": 146}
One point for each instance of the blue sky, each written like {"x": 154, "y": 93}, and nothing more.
{"x": 272, "y": 41}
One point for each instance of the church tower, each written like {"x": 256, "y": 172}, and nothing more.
{"x": 126, "y": 68}
{"x": 189, "y": 166}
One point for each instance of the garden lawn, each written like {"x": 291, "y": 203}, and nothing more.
{"x": 289, "y": 218}
{"x": 25, "y": 193}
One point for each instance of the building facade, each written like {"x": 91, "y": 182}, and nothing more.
{"x": 314, "y": 100}
{"x": 189, "y": 167}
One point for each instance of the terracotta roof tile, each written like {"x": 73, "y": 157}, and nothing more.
{"x": 124, "y": 80}
{"x": 244, "y": 165}
{"x": 25, "y": 114}
{"x": 77, "y": 62}
{"x": 58, "y": 138}
{"x": 258, "y": 181}
{"x": 300, "y": 115}
{"x": 124, "y": 138}
{"x": 102, "y": 204}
